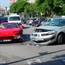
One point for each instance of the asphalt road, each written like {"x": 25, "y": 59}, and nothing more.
{"x": 25, "y": 54}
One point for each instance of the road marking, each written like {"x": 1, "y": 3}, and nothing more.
{"x": 32, "y": 61}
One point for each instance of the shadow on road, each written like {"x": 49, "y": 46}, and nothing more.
{"x": 26, "y": 37}
{"x": 49, "y": 62}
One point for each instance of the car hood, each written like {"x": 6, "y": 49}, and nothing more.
{"x": 49, "y": 27}
{"x": 9, "y": 32}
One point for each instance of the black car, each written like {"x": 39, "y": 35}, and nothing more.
{"x": 4, "y": 19}
{"x": 37, "y": 22}
{"x": 24, "y": 20}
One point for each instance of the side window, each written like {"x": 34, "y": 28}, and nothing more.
{"x": 62, "y": 23}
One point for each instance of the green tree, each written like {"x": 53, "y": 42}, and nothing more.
{"x": 13, "y": 8}
{"x": 39, "y": 2}
{"x": 63, "y": 9}
{"x": 18, "y": 6}
{"x": 45, "y": 9}
{"x": 30, "y": 10}
{"x": 58, "y": 6}
{"x": 38, "y": 6}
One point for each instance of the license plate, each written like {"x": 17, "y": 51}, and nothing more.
{"x": 37, "y": 39}
{"x": 6, "y": 40}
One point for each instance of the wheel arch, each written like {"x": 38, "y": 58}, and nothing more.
{"x": 62, "y": 34}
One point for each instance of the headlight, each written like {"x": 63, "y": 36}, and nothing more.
{"x": 52, "y": 32}
{"x": 17, "y": 37}
{"x": 49, "y": 33}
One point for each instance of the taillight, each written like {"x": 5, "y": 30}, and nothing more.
{"x": 17, "y": 36}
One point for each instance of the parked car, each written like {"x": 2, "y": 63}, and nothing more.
{"x": 46, "y": 21}
{"x": 4, "y": 19}
{"x": 14, "y": 18}
{"x": 24, "y": 20}
{"x": 29, "y": 22}
{"x": 10, "y": 32}
{"x": 37, "y": 22}
{"x": 54, "y": 31}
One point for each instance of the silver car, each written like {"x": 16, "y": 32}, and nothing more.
{"x": 54, "y": 31}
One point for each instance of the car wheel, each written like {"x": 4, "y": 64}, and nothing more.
{"x": 21, "y": 40}
{"x": 60, "y": 38}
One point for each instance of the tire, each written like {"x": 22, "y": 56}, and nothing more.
{"x": 60, "y": 38}
{"x": 21, "y": 40}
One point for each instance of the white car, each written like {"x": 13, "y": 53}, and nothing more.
{"x": 52, "y": 32}
{"x": 14, "y": 18}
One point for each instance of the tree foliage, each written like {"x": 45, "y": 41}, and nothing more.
{"x": 47, "y": 7}
{"x": 18, "y": 6}
{"x": 63, "y": 9}
{"x": 30, "y": 10}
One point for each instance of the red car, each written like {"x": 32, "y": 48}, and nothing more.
{"x": 10, "y": 32}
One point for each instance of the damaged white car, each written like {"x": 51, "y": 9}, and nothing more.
{"x": 54, "y": 31}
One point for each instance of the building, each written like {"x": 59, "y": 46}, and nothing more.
{"x": 31, "y": 1}
{"x": 12, "y": 1}
{"x": 2, "y": 11}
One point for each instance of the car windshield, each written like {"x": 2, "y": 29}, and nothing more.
{"x": 57, "y": 22}
{"x": 9, "y": 25}
{"x": 47, "y": 20}
{"x": 17, "y": 18}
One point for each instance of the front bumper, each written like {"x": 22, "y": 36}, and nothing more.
{"x": 43, "y": 40}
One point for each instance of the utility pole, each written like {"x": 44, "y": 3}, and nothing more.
{"x": 6, "y": 10}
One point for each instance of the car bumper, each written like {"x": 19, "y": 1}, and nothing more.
{"x": 43, "y": 41}
{"x": 11, "y": 38}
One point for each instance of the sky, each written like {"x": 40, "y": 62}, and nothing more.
{"x": 4, "y": 3}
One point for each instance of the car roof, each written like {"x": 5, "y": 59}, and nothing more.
{"x": 59, "y": 18}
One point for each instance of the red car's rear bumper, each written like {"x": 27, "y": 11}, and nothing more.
{"x": 11, "y": 38}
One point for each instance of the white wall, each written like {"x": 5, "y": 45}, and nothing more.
{"x": 31, "y": 1}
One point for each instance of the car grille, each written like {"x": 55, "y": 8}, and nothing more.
{"x": 41, "y": 30}
{"x": 35, "y": 34}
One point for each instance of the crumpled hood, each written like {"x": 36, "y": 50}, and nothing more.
{"x": 49, "y": 27}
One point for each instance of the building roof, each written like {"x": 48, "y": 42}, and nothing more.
{"x": 2, "y": 9}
